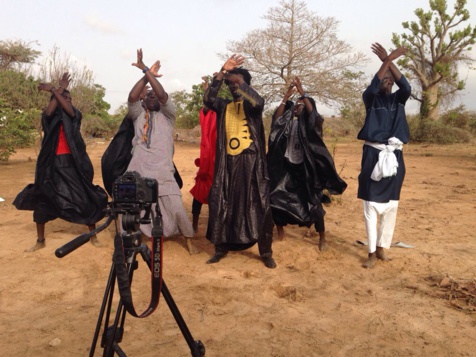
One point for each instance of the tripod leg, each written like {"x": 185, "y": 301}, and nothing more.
{"x": 113, "y": 334}
{"x": 107, "y": 300}
{"x": 196, "y": 347}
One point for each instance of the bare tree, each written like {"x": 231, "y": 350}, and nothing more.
{"x": 438, "y": 45}
{"x": 82, "y": 78}
{"x": 297, "y": 42}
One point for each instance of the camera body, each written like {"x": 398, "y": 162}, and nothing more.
{"x": 133, "y": 188}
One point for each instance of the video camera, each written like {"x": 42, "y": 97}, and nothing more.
{"x": 132, "y": 188}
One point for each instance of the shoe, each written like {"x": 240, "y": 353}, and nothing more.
{"x": 216, "y": 258}
{"x": 269, "y": 262}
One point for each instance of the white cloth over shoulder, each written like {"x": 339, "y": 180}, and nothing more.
{"x": 387, "y": 164}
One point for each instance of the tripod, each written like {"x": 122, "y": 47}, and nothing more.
{"x": 112, "y": 334}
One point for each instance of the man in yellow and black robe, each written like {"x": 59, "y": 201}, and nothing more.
{"x": 239, "y": 211}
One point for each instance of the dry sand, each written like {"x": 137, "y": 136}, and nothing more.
{"x": 312, "y": 304}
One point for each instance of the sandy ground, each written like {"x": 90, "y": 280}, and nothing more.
{"x": 312, "y": 304}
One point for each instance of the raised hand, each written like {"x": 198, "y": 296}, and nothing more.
{"x": 155, "y": 69}
{"x": 290, "y": 92}
{"x": 379, "y": 50}
{"x": 139, "y": 64}
{"x": 45, "y": 86}
{"x": 397, "y": 53}
{"x": 65, "y": 80}
{"x": 298, "y": 84}
{"x": 205, "y": 82}
{"x": 233, "y": 62}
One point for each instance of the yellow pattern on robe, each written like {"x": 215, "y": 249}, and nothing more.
{"x": 238, "y": 137}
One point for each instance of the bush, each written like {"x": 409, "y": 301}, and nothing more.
{"x": 437, "y": 132}
{"x": 17, "y": 130}
{"x": 461, "y": 118}
{"x": 96, "y": 127}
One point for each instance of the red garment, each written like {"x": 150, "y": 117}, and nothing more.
{"x": 63, "y": 147}
{"x": 206, "y": 163}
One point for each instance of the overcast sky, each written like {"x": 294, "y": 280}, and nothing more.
{"x": 187, "y": 35}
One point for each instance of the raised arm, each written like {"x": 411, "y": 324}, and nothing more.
{"x": 150, "y": 77}
{"x": 212, "y": 91}
{"x": 307, "y": 102}
{"x": 279, "y": 112}
{"x": 387, "y": 60}
{"x": 58, "y": 98}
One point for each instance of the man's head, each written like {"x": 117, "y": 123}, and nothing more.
{"x": 152, "y": 101}
{"x": 233, "y": 79}
{"x": 298, "y": 107}
{"x": 66, "y": 95}
{"x": 387, "y": 83}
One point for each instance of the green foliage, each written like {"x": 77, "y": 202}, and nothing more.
{"x": 438, "y": 45}
{"x": 188, "y": 105}
{"x": 19, "y": 91}
{"x": 19, "y": 113}
{"x": 21, "y": 103}
{"x": 14, "y": 53}
{"x": 184, "y": 119}
{"x": 455, "y": 126}
{"x": 460, "y": 118}
{"x": 16, "y": 129}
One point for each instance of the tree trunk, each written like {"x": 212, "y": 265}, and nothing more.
{"x": 430, "y": 105}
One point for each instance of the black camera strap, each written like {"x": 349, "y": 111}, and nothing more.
{"x": 123, "y": 281}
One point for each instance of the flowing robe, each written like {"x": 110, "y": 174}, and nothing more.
{"x": 68, "y": 192}
{"x": 239, "y": 211}
{"x": 296, "y": 189}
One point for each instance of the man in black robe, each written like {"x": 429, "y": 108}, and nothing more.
{"x": 385, "y": 131}
{"x": 239, "y": 212}
{"x": 300, "y": 166}
{"x": 63, "y": 185}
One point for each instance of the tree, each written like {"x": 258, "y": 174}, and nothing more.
{"x": 437, "y": 45}
{"x": 88, "y": 96}
{"x": 15, "y": 52}
{"x": 297, "y": 42}
{"x": 189, "y": 104}
{"x": 21, "y": 103}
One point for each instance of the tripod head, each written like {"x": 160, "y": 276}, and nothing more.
{"x": 132, "y": 194}
{"x": 131, "y": 221}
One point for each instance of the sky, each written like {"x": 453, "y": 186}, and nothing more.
{"x": 187, "y": 36}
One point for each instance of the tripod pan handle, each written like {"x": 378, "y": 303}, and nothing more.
{"x": 72, "y": 245}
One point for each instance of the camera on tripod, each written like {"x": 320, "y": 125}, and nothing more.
{"x": 132, "y": 194}
{"x": 132, "y": 188}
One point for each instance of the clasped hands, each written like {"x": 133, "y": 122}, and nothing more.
{"x": 154, "y": 69}
{"x": 63, "y": 83}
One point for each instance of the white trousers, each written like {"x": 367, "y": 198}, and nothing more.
{"x": 380, "y": 219}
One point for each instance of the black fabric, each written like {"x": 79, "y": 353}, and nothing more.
{"x": 296, "y": 190}
{"x": 196, "y": 206}
{"x": 239, "y": 208}
{"x": 388, "y": 188}
{"x": 118, "y": 155}
{"x": 63, "y": 185}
